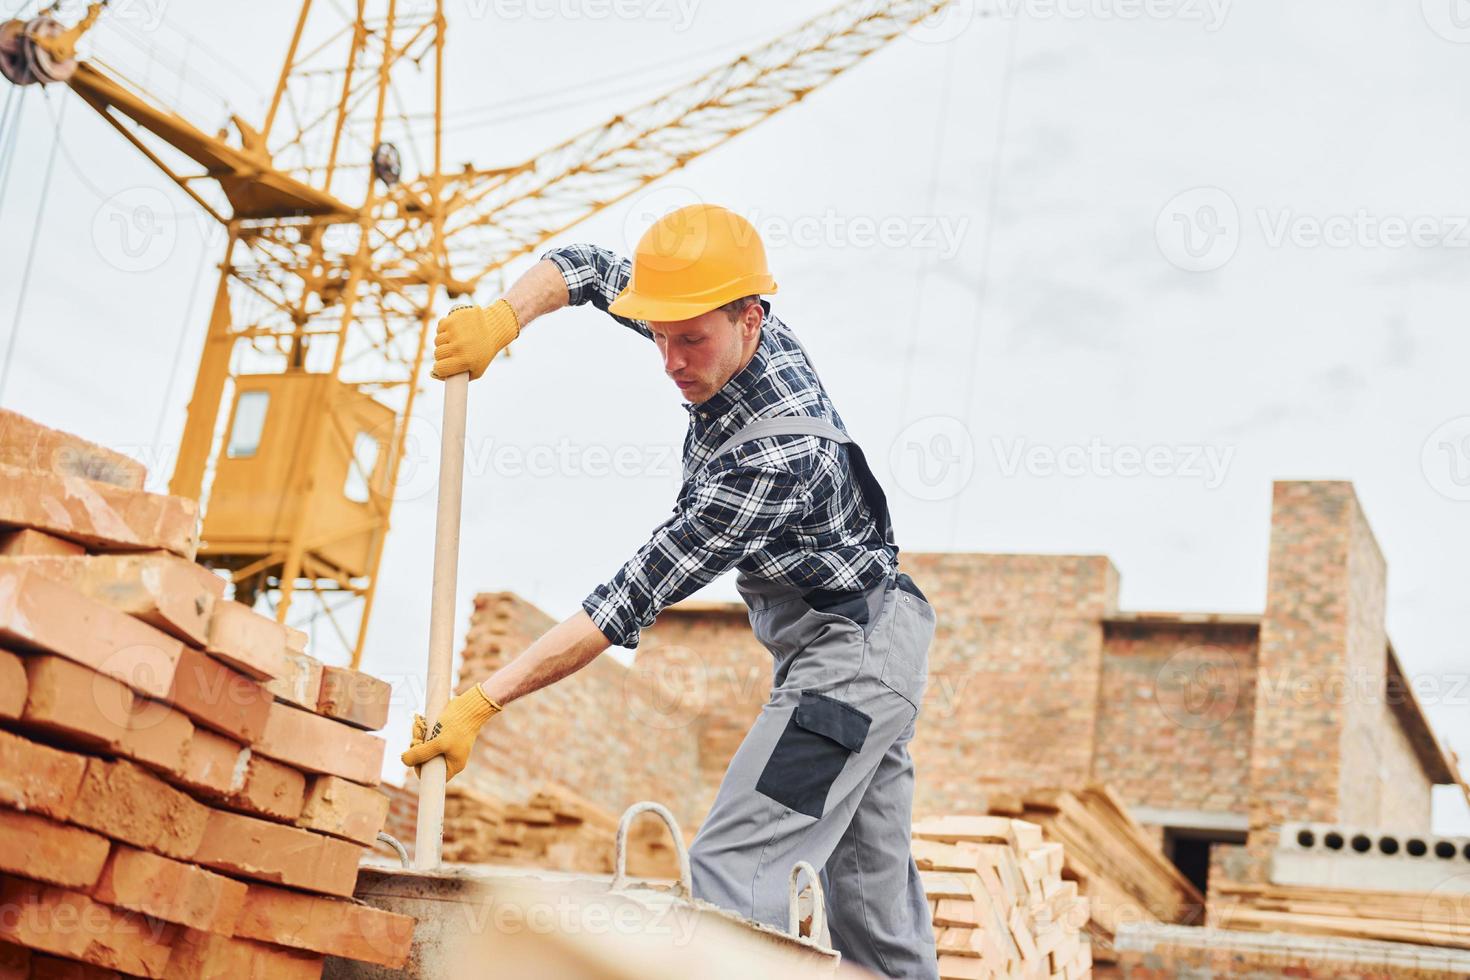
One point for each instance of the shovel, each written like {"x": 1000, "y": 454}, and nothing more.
{"x": 429, "y": 835}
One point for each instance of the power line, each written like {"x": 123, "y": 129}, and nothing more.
{"x": 998, "y": 159}
{"x": 936, "y": 156}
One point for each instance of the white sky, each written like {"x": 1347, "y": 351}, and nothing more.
{"x": 1024, "y": 171}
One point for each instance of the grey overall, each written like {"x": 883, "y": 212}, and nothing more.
{"x": 824, "y": 774}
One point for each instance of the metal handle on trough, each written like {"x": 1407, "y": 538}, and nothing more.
{"x": 620, "y": 863}
{"x": 793, "y": 907}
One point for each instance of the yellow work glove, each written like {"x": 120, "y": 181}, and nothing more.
{"x": 454, "y": 733}
{"x": 469, "y": 338}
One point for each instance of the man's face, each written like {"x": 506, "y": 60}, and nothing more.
{"x": 701, "y": 354}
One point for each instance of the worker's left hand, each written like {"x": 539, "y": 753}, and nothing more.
{"x": 469, "y": 338}
{"x": 454, "y": 734}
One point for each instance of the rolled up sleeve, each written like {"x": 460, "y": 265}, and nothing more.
{"x": 735, "y": 513}
{"x": 595, "y": 275}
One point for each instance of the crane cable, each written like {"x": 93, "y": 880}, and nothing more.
{"x": 10, "y": 136}
{"x": 25, "y": 278}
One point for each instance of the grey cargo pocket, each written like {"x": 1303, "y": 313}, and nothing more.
{"x": 811, "y": 752}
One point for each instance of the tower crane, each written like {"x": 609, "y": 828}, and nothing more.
{"x": 338, "y": 256}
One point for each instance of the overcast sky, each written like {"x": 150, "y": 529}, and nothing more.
{"x": 1082, "y": 276}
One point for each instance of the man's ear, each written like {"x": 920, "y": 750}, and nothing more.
{"x": 750, "y": 321}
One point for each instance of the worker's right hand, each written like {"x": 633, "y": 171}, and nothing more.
{"x": 469, "y": 338}
{"x": 454, "y": 733}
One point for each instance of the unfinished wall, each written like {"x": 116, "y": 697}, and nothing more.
{"x": 598, "y": 730}
{"x": 1405, "y": 794}
{"x": 1175, "y": 712}
{"x": 1013, "y": 673}
{"x": 1321, "y": 637}
{"x": 718, "y": 676}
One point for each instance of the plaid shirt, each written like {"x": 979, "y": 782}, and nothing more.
{"x": 781, "y": 508}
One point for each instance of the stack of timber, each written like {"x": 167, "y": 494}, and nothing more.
{"x": 999, "y": 904}
{"x": 1115, "y": 863}
{"x": 555, "y": 830}
{"x": 184, "y": 792}
{"x": 1428, "y": 919}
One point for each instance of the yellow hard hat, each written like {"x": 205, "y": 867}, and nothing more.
{"x": 691, "y": 261}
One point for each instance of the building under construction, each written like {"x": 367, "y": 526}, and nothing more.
{"x": 189, "y": 787}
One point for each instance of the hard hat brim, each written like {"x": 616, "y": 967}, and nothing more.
{"x": 637, "y": 306}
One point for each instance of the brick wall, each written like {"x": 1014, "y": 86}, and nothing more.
{"x": 1321, "y": 635}
{"x": 1013, "y": 673}
{"x": 603, "y": 731}
{"x": 1035, "y": 680}
{"x": 1175, "y": 714}
{"x": 719, "y": 676}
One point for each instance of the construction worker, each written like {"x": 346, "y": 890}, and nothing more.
{"x": 774, "y": 488}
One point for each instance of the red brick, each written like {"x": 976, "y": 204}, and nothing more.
{"x": 251, "y": 643}
{"x": 323, "y": 925}
{"x": 170, "y": 890}
{"x": 38, "y": 778}
{"x": 34, "y": 847}
{"x": 271, "y": 852}
{"x": 355, "y": 698}
{"x": 102, "y": 517}
{"x": 68, "y": 923}
{"x": 27, "y": 542}
{"x": 213, "y": 763}
{"x": 315, "y": 744}
{"x": 158, "y": 588}
{"x": 29, "y": 445}
{"x": 126, "y": 803}
{"x": 301, "y": 681}
{"x": 204, "y": 956}
{"x": 97, "y": 712}
{"x": 344, "y": 809}
{"x": 12, "y": 685}
{"x": 219, "y": 698}
{"x": 39, "y": 614}
{"x": 15, "y": 962}
{"x": 270, "y": 789}
{"x": 52, "y": 968}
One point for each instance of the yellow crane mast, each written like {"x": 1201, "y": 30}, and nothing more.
{"x": 337, "y": 261}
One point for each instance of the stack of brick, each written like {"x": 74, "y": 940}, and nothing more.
{"x": 183, "y": 791}
{"x": 553, "y": 830}
{"x": 1000, "y": 907}
{"x": 1116, "y": 864}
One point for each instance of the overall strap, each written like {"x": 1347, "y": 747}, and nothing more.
{"x": 807, "y": 425}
